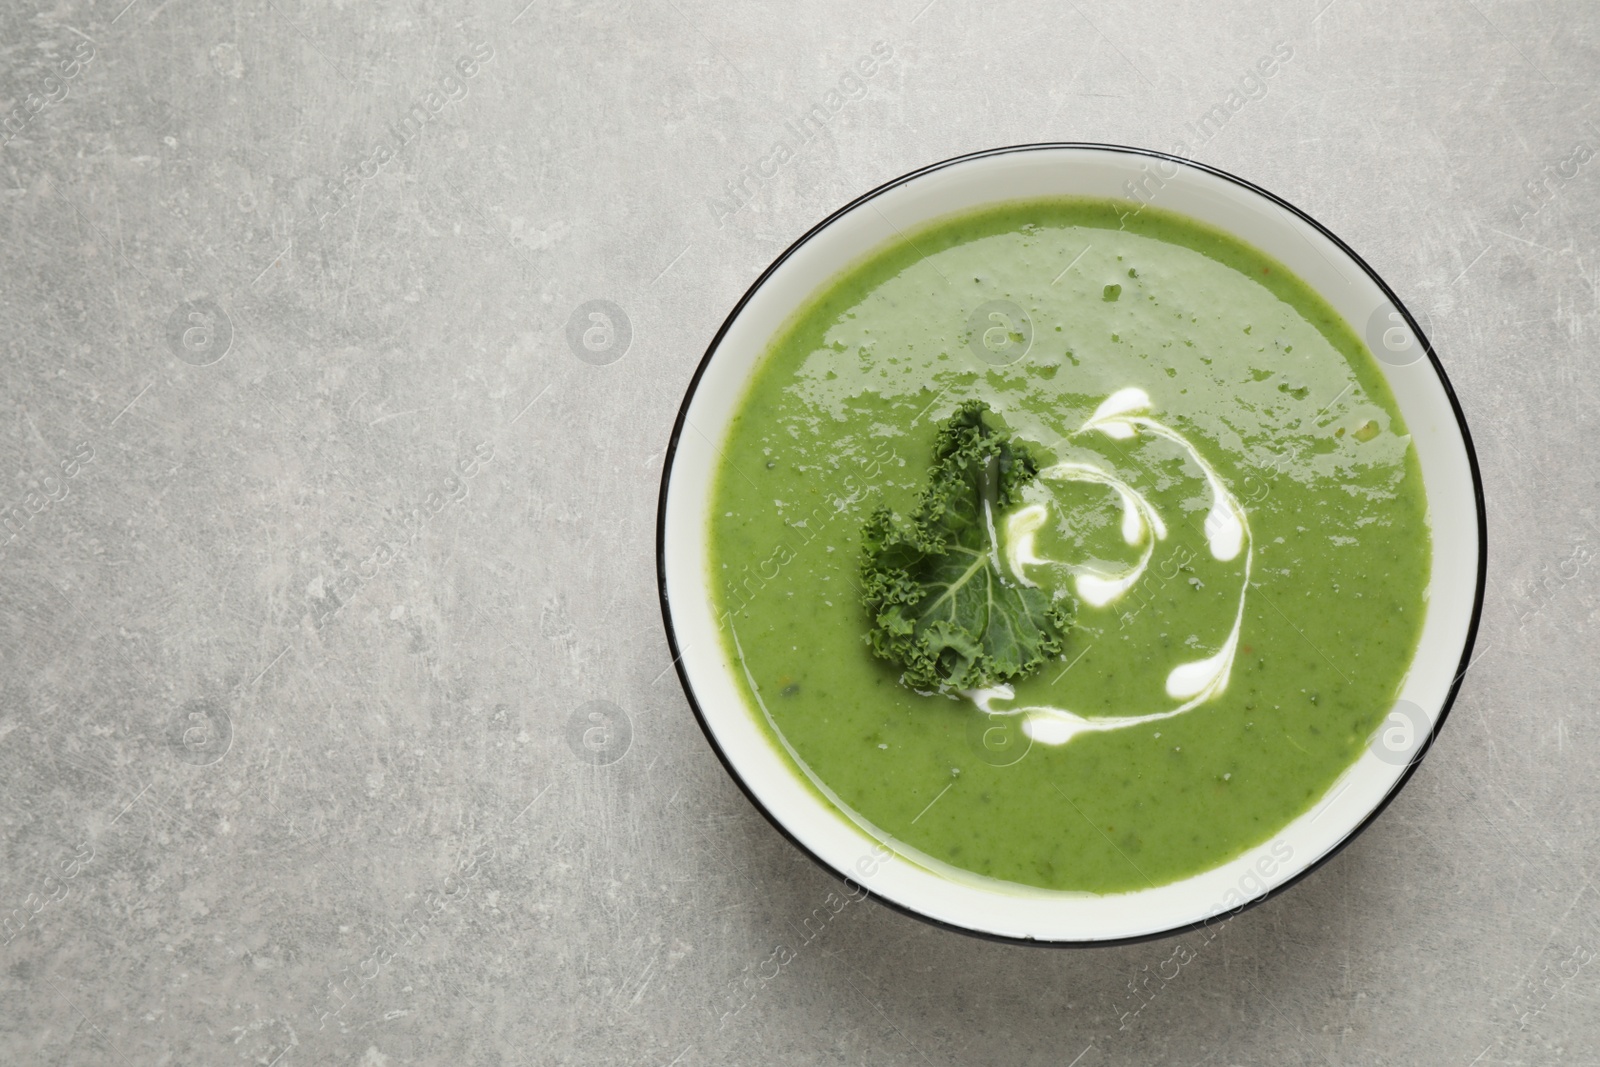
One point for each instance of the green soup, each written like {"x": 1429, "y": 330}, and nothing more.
{"x": 1229, "y": 493}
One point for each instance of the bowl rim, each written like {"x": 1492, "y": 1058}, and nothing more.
{"x": 1451, "y": 692}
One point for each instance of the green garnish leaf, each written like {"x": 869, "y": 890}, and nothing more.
{"x": 942, "y": 607}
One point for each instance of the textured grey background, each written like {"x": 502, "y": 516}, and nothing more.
{"x": 295, "y": 684}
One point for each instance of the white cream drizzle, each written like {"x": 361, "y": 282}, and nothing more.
{"x": 1227, "y": 529}
{"x": 1096, "y": 586}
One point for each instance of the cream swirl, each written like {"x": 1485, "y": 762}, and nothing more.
{"x": 1123, "y": 416}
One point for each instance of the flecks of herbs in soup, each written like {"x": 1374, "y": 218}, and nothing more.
{"x": 1222, "y": 513}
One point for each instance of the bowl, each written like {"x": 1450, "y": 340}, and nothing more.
{"x": 775, "y": 779}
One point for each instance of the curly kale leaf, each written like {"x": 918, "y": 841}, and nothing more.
{"x": 942, "y": 608}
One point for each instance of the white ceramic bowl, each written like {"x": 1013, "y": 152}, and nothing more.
{"x": 770, "y": 777}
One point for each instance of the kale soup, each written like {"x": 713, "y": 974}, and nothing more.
{"x": 1069, "y": 547}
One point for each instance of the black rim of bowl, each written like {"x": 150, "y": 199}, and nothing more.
{"x": 1438, "y": 369}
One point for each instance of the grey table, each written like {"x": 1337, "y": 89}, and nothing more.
{"x": 325, "y": 545}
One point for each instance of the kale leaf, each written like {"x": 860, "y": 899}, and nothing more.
{"x": 942, "y": 607}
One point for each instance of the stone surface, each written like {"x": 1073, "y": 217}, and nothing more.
{"x": 336, "y": 717}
